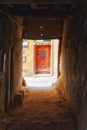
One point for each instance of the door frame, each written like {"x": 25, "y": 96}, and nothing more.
{"x": 35, "y": 59}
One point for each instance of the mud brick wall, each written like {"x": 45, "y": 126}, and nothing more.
{"x": 10, "y": 70}
{"x": 18, "y": 54}
{"x": 74, "y": 60}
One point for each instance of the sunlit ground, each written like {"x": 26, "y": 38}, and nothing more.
{"x": 42, "y": 82}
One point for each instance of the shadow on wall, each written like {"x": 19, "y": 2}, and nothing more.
{"x": 61, "y": 89}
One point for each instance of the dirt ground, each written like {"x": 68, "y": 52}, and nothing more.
{"x": 41, "y": 110}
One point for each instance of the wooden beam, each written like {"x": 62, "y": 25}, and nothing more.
{"x": 39, "y": 1}
{"x": 41, "y": 14}
{"x": 47, "y": 28}
{"x": 10, "y": 5}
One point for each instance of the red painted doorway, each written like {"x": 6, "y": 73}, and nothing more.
{"x": 42, "y": 58}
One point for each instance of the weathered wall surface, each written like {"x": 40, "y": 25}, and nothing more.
{"x": 2, "y": 91}
{"x": 18, "y": 54}
{"x": 74, "y": 60}
{"x": 7, "y": 37}
{"x": 82, "y": 119}
{"x": 10, "y": 59}
{"x": 28, "y": 64}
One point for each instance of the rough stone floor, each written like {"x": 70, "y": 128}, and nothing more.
{"x": 41, "y": 110}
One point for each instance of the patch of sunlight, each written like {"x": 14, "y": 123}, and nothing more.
{"x": 40, "y": 82}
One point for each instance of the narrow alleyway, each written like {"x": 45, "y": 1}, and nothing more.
{"x": 41, "y": 110}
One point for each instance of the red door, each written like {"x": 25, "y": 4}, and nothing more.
{"x": 42, "y": 56}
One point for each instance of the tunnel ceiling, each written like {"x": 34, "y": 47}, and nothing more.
{"x": 45, "y": 8}
{"x": 53, "y": 10}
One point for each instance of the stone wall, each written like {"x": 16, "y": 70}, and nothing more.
{"x": 74, "y": 60}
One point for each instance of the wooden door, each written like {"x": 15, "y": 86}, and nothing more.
{"x": 42, "y": 58}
